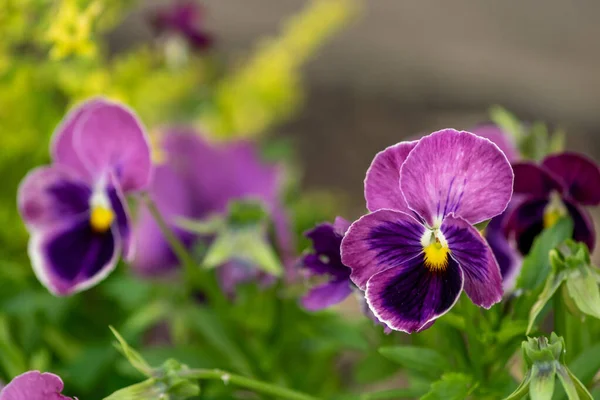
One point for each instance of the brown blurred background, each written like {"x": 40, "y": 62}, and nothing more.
{"x": 405, "y": 67}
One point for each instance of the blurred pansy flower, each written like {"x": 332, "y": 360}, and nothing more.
{"x": 196, "y": 181}
{"x": 183, "y": 19}
{"x": 561, "y": 186}
{"x": 417, "y": 249}
{"x": 326, "y": 262}
{"x": 506, "y": 255}
{"x": 34, "y": 385}
{"x": 75, "y": 209}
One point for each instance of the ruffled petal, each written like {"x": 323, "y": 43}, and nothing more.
{"x": 382, "y": 184}
{"x": 72, "y": 257}
{"x": 579, "y": 175}
{"x": 483, "y": 281}
{"x": 410, "y": 296}
{"x": 49, "y": 195}
{"x": 326, "y": 243}
{"x": 456, "y": 172}
{"x": 378, "y": 241}
{"x": 107, "y": 139}
{"x": 583, "y": 225}
{"x": 34, "y": 385}
{"x": 500, "y": 138}
{"x": 533, "y": 181}
{"x": 327, "y": 295}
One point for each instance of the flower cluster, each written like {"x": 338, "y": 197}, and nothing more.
{"x": 75, "y": 209}
{"x": 417, "y": 249}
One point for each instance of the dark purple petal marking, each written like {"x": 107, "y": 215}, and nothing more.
{"x": 505, "y": 254}
{"x": 378, "y": 241}
{"x": 408, "y": 297}
{"x": 525, "y": 221}
{"x": 49, "y": 195}
{"x": 583, "y": 225}
{"x": 34, "y": 385}
{"x": 123, "y": 222}
{"x": 382, "y": 183}
{"x": 483, "y": 281}
{"x": 456, "y": 172}
{"x": 533, "y": 181}
{"x": 579, "y": 175}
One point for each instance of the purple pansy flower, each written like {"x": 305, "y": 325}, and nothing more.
{"x": 417, "y": 249}
{"x": 34, "y": 385}
{"x": 562, "y": 185}
{"x": 506, "y": 255}
{"x": 75, "y": 209}
{"x": 196, "y": 180}
{"x": 326, "y": 261}
{"x": 184, "y": 19}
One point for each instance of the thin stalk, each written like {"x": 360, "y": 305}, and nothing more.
{"x": 246, "y": 383}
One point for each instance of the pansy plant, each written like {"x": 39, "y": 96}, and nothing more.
{"x": 75, "y": 209}
{"x": 418, "y": 249}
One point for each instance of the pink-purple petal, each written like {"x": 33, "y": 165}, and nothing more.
{"x": 34, "y": 385}
{"x": 579, "y": 175}
{"x": 409, "y": 297}
{"x": 534, "y": 181}
{"x": 483, "y": 281}
{"x": 456, "y": 172}
{"x": 111, "y": 141}
{"x": 72, "y": 257}
{"x": 503, "y": 140}
{"x": 327, "y": 295}
{"x": 382, "y": 183}
{"x": 379, "y": 241}
{"x": 506, "y": 255}
{"x": 49, "y": 195}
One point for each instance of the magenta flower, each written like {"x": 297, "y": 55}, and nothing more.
{"x": 417, "y": 249}
{"x": 184, "y": 19}
{"x": 562, "y": 185}
{"x": 326, "y": 261}
{"x": 34, "y": 385}
{"x": 198, "y": 180}
{"x": 75, "y": 209}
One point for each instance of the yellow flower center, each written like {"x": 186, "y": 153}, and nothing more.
{"x": 436, "y": 256}
{"x": 554, "y": 211}
{"x": 101, "y": 219}
{"x": 551, "y": 218}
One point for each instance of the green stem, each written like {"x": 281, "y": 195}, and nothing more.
{"x": 563, "y": 327}
{"x": 246, "y": 383}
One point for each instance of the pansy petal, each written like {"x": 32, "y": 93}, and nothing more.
{"x": 579, "y": 175}
{"x": 503, "y": 140}
{"x": 378, "y": 241}
{"x": 382, "y": 184}
{"x": 326, "y": 295}
{"x": 583, "y": 225}
{"x": 34, "y": 385}
{"x": 48, "y": 195}
{"x": 533, "y": 181}
{"x": 410, "y": 296}
{"x": 483, "y": 281}
{"x": 109, "y": 138}
{"x": 505, "y": 254}
{"x": 525, "y": 221}
{"x": 123, "y": 221}
{"x": 456, "y": 172}
{"x": 73, "y": 257}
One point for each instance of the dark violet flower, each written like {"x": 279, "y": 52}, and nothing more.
{"x": 562, "y": 185}
{"x": 75, "y": 209}
{"x": 184, "y": 18}
{"x": 326, "y": 261}
{"x": 34, "y": 385}
{"x": 197, "y": 180}
{"x": 417, "y": 249}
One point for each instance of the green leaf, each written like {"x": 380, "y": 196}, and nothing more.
{"x": 136, "y": 360}
{"x": 452, "y": 386}
{"x": 11, "y": 357}
{"x": 583, "y": 289}
{"x": 419, "y": 359}
{"x": 536, "y": 266}
{"x": 543, "y": 376}
{"x": 557, "y": 142}
{"x": 523, "y": 389}
{"x": 587, "y": 364}
{"x": 482, "y": 225}
{"x": 507, "y": 122}
{"x": 552, "y": 284}
{"x": 148, "y": 389}
{"x": 393, "y": 394}
{"x": 207, "y": 226}
{"x": 247, "y": 244}
{"x": 573, "y": 387}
